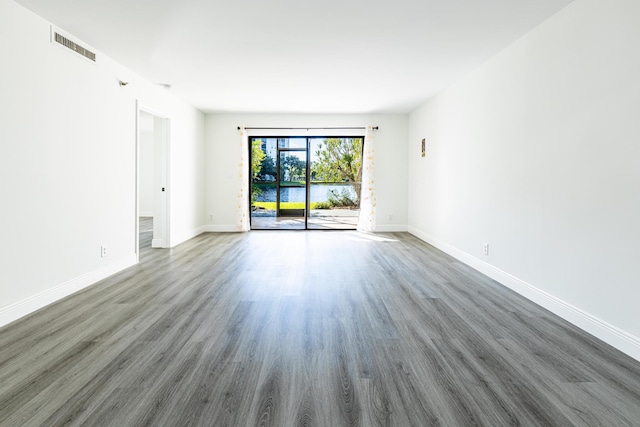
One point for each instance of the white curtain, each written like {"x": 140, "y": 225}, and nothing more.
{"x": 367, "y": 219}
{"x": 243, "y": 183}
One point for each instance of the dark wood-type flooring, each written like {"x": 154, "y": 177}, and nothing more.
{"x": 307, "y": 329}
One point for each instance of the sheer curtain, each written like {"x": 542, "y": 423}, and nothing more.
{"x": 243, "y": 183}
{"x": 367, "y": 218}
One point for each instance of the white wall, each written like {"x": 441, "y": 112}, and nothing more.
{"x": 222, "y": 140}
{"x": 538, "y": 154}
{"x": 146, "y": 162}
{"x": 68, "y": 135}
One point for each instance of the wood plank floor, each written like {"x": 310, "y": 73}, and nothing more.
{"x": 307, "y": 329}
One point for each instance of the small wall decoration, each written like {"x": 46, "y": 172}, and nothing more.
{"x": 423, "y": 147}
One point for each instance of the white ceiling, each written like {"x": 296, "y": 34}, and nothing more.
{"x": 299, "y": 56}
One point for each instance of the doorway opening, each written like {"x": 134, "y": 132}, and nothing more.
{"x": 152, "y": 177}
{"x": 305, "y": 183}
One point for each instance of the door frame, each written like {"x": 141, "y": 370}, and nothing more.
{"x": 162, "y": 124}
{"x": 305, "y": 210}
{"x": 307, "y": 149}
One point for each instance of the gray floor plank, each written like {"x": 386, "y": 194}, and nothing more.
{"x": 307, "y": 329}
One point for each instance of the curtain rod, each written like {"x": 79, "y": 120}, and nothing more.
{"x": 338, "y": 128}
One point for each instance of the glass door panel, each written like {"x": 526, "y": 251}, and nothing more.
{"x": 292, "y": 196}
{"x": 298, "y": 143}
{"x": 263, "y": 182}
{"x": 335, "y": 172}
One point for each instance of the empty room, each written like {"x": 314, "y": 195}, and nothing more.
{"x": 291, "y": 213}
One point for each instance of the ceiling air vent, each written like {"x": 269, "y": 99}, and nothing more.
{"x": 59, "y": 38}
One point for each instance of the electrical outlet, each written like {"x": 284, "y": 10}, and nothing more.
{"x": 103, "y": 251}
{"x": 485, "y": 248}
{"x": 390, "y": 217}
{"x": 211, "y": 217}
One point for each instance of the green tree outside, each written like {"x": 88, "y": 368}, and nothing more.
{"x": 339, "y": 160}
{"x": 257, "y": 157}
{"x": 292, "y": 169}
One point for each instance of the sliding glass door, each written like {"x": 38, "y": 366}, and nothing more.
{"x": 291, "y": 203}
{"x": 305, "y": 183}
{"x": 335, "y": 173}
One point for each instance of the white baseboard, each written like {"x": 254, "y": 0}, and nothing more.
{"x": 390, "y": 228}
{"x": 145, "y": 214}
{"x": 612, "y": 335}
{"x": 27, "y": 306}
{"x": 220, "y": 229}
{"x": 233, "y": 229}
{"x": 189, "y": 235}
{"x": 158, "y": 243}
